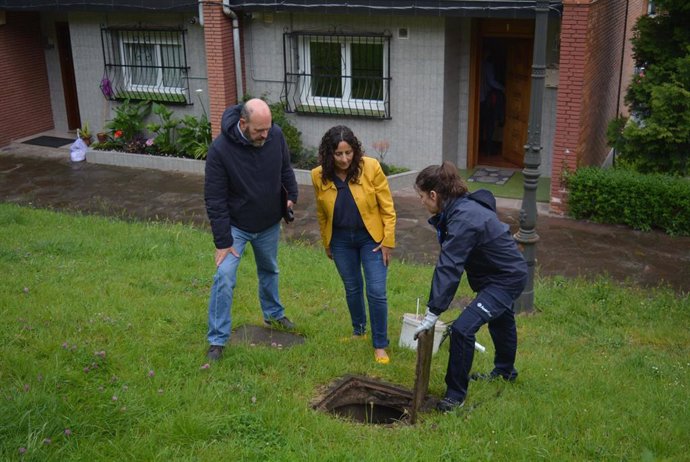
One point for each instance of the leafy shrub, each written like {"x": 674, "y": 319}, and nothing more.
{"x": 293, "y": 137}
{"x": 165, "y": 132}
{"x": 641, "y": 201}
{"x": 194, "y": 136}
{"x": 189, "y": 137}
{"x": 656, "y": 139}
{"x": 129, "y": 118}
{"x": 389, "y": 169}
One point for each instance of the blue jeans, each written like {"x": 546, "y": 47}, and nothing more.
{"x": 265, "y": 246}
{"x": 492, "y": 306}
{"x": 352, "y": 251}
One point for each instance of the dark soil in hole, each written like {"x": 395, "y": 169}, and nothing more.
{"x": 370, "y": 413}
{"x": 369, "y": 401}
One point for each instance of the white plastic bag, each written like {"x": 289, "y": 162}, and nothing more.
{"x": 77, "y": 152}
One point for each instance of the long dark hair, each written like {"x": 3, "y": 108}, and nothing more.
{"x": 444, "y": 179}
{"x": 329, "y": 143}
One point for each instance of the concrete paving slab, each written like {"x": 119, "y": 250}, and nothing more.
{"x": 46, "y": 178}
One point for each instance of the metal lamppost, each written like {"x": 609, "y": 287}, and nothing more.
{"x": 526, "y": 236}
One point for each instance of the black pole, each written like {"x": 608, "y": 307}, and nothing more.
{"x": 527, "y": 236}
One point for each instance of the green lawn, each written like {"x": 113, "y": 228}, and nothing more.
{"x": 514, "y": 188}
{"x": 103, "y": 334}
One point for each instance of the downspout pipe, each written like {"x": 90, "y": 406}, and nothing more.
{"x": 236, "y": 47}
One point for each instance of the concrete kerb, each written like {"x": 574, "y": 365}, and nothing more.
{"x": 184, "y": 165}
{"x": 402, "y": 184}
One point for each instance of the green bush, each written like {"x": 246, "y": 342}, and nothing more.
{"x": 656, "y": 139}
{"x": 293, "y": 137}
{"x": 129, "y": 119}
{"x": 641, "y": 201}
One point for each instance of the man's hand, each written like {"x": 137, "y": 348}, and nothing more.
{"x": 427, "y": 323}
{"x": 222, "y": 253}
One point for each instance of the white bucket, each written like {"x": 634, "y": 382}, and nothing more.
{"x": 410, "y": 324}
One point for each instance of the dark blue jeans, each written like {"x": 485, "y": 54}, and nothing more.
{"x": 352, "y": 251}
{"x": 492, "y": 306}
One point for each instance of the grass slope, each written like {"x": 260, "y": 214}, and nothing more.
{"x": 102, "y": 350}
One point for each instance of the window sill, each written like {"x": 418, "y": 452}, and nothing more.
{"x": 305, "y": 109}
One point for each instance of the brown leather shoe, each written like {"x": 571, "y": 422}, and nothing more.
{"x": 215, "y": 352}
{"x": 282, "y": 323}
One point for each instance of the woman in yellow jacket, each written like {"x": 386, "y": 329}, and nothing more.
{"x": 357, "y": 220}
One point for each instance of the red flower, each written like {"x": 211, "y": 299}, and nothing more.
{"x": 118, "y": 133}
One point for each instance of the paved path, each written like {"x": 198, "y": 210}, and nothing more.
{"x": 44, "y": 177}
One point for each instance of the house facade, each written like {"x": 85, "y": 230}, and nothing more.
{"x": 442, "y": 80}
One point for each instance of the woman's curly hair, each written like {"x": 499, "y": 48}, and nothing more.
{"x": 329, "y": 143}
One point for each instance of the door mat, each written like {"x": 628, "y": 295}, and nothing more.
{"x": 491, "y": 175}
{"x": 49, "y": 141}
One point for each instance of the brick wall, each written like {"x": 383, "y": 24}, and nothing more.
{"x": 24, "y": 92}
{"x": 593, "y": 37}
{"x": 220, "y": 58}
{"x": 570, "y": 94}
{"x": 636, "y": 8}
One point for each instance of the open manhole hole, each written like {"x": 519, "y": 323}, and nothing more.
{"x": 369, "y": 401}
{"x": 258, "y": 335}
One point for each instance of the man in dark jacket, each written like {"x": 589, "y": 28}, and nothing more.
{"x": 247, "y": 166}
{"x": 475, "y": 241}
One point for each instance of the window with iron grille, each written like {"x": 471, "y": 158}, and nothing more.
{"x": 145, "y": 64}
{"x": 337, "y": 74}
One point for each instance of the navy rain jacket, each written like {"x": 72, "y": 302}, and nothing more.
{"x": 243, "y": 183}
{"x": 473, "y": 239}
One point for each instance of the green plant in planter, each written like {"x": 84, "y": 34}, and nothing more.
{"x": 165, "y": 132}
{"x": 85, "y": 133}
{"x": 194, "y": 136}
{"x": 129, "y": 119}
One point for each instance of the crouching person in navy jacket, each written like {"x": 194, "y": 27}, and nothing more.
{"x": 247, "y": 166}
{"x": 475, "y": 241}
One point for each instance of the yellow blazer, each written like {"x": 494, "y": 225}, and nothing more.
{"x": 372, "y": 196}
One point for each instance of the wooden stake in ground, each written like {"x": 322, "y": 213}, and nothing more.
{"x": 425, "y": 344}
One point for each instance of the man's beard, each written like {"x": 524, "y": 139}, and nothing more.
{"x": 256, "y": 143}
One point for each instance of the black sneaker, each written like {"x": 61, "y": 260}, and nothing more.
{"x": 214, "y": 352}
{"x": 282, "y": 323}
{"x": 449, "y": 405}
{"x": 493, "y": 375}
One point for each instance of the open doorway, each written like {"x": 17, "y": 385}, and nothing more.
{"x": 503, "y": 80}
{"x": 492, "y": 102}
{"x": 69, "y": 83}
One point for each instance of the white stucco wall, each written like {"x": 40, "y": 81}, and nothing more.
{"x": 417, "y": 69}
{"x": 85, "y": 35}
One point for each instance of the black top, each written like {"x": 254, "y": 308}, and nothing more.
{"x": 345, "y": 213}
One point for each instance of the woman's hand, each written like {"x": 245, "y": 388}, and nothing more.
{"x": 328, "y": 253}
{"x": 386, "y": 253}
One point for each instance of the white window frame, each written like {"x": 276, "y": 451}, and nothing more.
{"x": 134, "y": 38}
{"x": 346, "y": 100}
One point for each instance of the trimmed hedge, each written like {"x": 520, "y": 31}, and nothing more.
{"x": 641, "y": 201}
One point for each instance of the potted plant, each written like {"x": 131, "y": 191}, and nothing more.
{"x": 85, "y": 134}
{"x": 102, "y": 137}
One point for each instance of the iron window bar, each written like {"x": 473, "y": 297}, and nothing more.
{"x": 337, "y": 74}
{"x": 145, "y": 64}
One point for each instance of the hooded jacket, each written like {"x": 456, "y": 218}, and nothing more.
{"x": 474, "y": 240}
{"x": 242, "y": 187}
